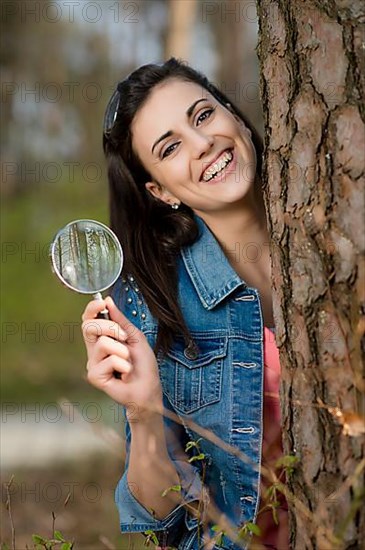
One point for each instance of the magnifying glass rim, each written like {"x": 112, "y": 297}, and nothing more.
{"x": 56, "y": 270}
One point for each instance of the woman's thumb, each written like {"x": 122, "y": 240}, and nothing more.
{"x": 125, "y": 324}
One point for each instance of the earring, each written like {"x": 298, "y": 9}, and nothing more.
{"x": 175, "y": 206}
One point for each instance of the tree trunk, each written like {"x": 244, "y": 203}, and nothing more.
{"x": 234, "y": 31}
{"x": 182, "y": 15}
{"x": 312, "y": 84}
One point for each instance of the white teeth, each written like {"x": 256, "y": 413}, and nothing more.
{"x": 218, "y": 166}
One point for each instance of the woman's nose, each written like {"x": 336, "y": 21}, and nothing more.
{"x": 201, "y": 143}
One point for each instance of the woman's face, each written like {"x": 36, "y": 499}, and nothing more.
{"x": 195, "y": 149}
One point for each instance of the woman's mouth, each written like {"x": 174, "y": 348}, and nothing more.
{"x": 218, "y": 169}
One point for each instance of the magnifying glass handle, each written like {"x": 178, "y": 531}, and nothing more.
{"x": 105, "y": 315}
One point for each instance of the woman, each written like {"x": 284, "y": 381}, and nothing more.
{"x": 190, "y": 316}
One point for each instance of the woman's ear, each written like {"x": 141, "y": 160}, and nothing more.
{"x": 154, "y": 188}
{"x": 160, "y": 193}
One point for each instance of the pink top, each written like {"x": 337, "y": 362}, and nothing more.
{"x": 272, "y": 447}
{"x": 272, "y": 535}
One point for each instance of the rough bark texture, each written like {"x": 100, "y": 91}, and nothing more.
{"x": 312, "y": 84}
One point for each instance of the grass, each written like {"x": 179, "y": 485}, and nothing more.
{"x": 42, "y": 350}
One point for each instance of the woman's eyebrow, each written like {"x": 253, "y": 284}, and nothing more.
{"x": 188, "y": 113}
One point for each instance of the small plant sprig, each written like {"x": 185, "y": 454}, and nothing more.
{"x": 218, "y": 537}
{"x": 288, "y": 463}
{"x": 272, "y": 502}
{"x": 58, "y": 540}
{"x": 195, "y": 445}
{"x": 39, "y": 542}
{"x": 174, "y": 488}
{"x": 150, "y": 537}
{"x": 247, "y": 530}
{"x": 200, "y": 457}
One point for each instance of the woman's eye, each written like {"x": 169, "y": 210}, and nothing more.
{"x": 204, "y": 115}
{"x": 168, "y": 150}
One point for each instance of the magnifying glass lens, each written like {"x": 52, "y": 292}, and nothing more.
{"x": 87, "y": 256}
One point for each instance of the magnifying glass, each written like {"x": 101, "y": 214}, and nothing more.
{"x": 87, "y": 257}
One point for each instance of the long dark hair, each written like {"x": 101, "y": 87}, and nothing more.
{"x": 150, "y": 231}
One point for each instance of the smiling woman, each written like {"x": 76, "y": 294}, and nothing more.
{"x": 190, "y": 316}
{"x": 205, "y": 145}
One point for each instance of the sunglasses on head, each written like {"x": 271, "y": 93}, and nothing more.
{"x": 111, "y": 112}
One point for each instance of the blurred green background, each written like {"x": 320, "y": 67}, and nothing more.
{"x": 60, "y": 62}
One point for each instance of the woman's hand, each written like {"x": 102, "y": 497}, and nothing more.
{"x": 117, "y": 345}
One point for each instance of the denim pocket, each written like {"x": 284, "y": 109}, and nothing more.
{"x": 191, "y": 376}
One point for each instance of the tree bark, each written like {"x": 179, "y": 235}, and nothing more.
{"x": 312, "y": 85}
{"x": 182, "y": 15}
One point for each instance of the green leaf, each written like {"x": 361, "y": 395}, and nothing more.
{"x": 67, "y": 546}
{"x": 191, "y": 444}
{"x": 271, "y": 493}
{"x": 58, "y": 536}
{"x": 287, "y": 461}
{"x": 253, "y": 528}
{"x": 220, "y": 532}
{"x": 151, "y": 535}
{"x": 176, "y": 488}
{"x": 275, "y": 515}
{"x": 200, "y": 456}
{"x": 37, "y": 539}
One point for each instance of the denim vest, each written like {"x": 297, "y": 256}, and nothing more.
{"x": 218, "y": 385}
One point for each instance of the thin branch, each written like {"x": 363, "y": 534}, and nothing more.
{"x": 53, "y": 523}
{"x": 8, "y": 505}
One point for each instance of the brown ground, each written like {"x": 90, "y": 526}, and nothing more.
{"x": 89, "y": 518}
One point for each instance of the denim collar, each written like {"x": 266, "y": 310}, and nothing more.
{"x": 209, "y": 269}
